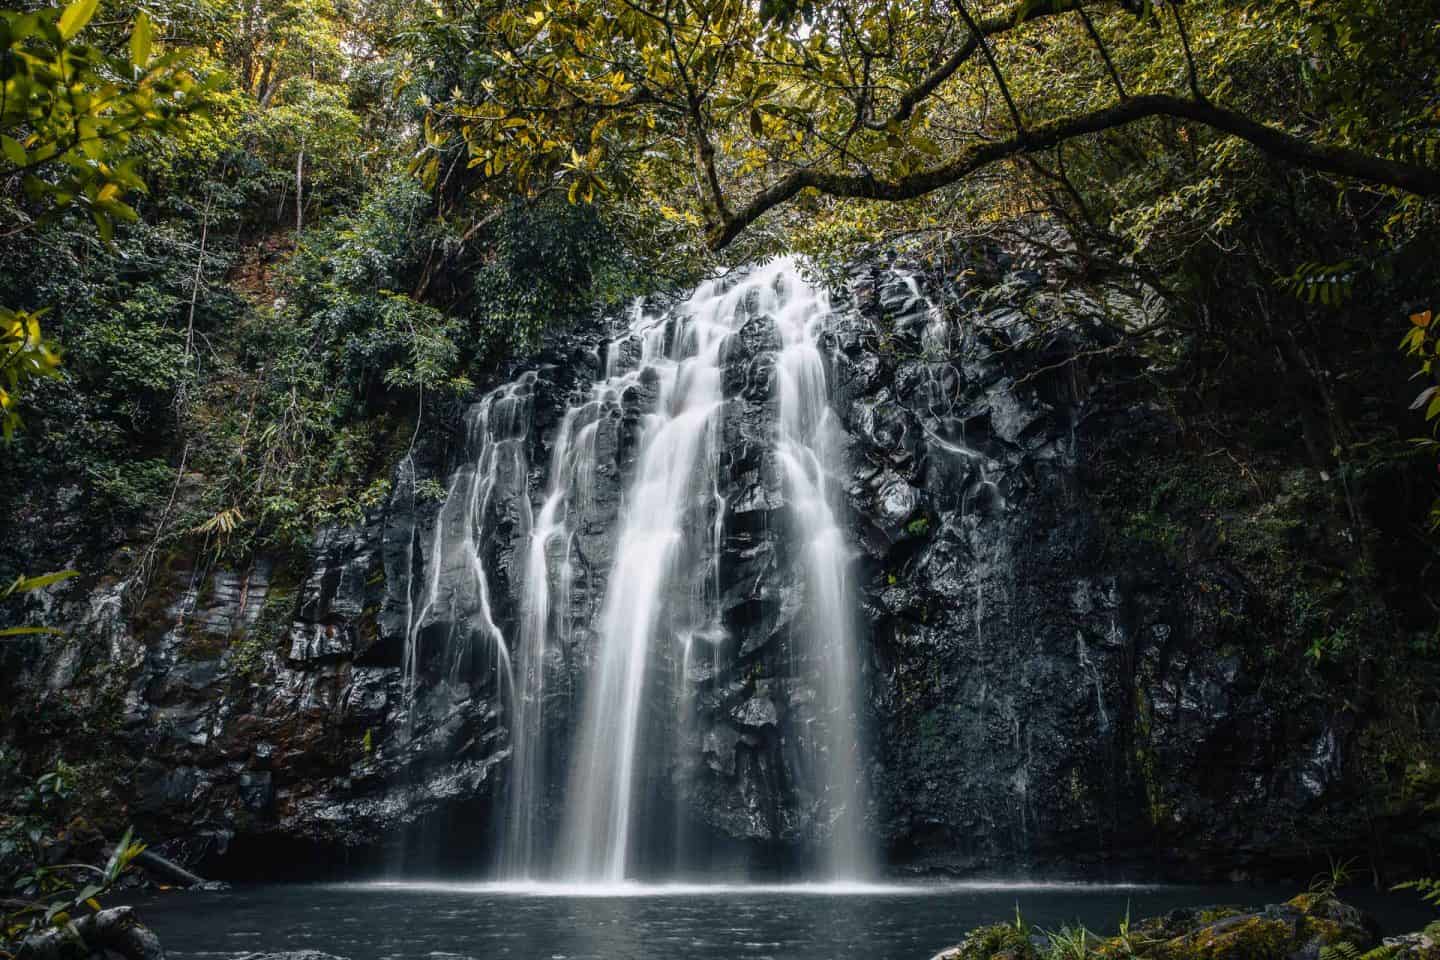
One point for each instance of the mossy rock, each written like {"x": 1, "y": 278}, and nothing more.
{"x": 1329, "y": 921}
{"x": 1301, "y": 929}
{"x": 1306, "y": 902}
{"x": 1298, "y": 930}
{"x": 1414, "y": 946}
{"x": 998, "y": 942}
{"x": 1176, "y": 923}
{"x": 1246, "y": 937}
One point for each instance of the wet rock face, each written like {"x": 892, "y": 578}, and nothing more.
{"x": 1042, "y": 690}
{"x": 995, "y": 652}
{"x": 1031, "y": 692}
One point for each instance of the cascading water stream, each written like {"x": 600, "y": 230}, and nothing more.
{"x": 808, "y": 439}
{"x": 665, "y": 486}
{"x": 527, "y": 787}
{"x": 662, "y": 387}
{"x": 457, "y": 588}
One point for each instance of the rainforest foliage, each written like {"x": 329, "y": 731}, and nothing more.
{"x": 248, "y": 246}
{"x": 207, "y": 215}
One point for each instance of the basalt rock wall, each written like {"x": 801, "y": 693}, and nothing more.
{"x": 1043, "y": 685}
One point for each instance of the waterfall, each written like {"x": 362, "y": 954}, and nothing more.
{"x": 680, "y": 356}
{"x": 808, "y": 438}
{"x": 650, "y": 430}
{"x": 527, "y": 787}
{"x": 457, "y": 592}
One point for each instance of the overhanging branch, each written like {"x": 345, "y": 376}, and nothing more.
{"x": 1413, "y": 178}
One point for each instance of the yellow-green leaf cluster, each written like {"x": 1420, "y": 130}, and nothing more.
{"x": 25, "y": 355}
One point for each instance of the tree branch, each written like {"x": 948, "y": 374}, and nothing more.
{"x": 975, "y": 31}
{"x": 912, "y": 97}
{"x": 1190, "y": 71}
{"x": 1413, "y": 178}
{"x": 704, "y": 149}
{"x": 1104, "y": 53}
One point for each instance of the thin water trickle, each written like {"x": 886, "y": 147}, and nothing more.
{"x": 457, "y": 592}
{"x": 527, "y": 788}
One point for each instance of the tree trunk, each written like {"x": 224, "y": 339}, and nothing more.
{"x": 155, "y": 863}
{"x": 299, "y": 193}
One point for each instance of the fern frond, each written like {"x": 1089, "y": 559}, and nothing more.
{"x": 1328, "y": 284}
{"x": 223, "y": 523}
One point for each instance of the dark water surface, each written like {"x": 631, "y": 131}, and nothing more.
{"x": 452, "y": 921}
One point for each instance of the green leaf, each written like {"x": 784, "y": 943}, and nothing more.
{"x": 73, "y": 20}
{"x": 30, "y": 631}
{"x": 141, "y": 39}
{"x": 14, "y": 152}
{"x": 120, "y": 856}
{"x": 104, "y": 225}
{"x": 27, "y": 584}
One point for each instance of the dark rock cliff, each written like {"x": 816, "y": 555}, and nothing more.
{"x": 1051, "y": 678}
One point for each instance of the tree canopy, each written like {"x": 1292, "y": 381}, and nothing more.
{"x": 205, "y": 198}
{"x": 717, "y": 112}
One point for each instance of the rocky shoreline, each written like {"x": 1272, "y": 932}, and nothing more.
{"x": 1311, "y": 926}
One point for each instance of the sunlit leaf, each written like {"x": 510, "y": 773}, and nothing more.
{"x": 141, "y": 38}
{"x": 75, "y": 16}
